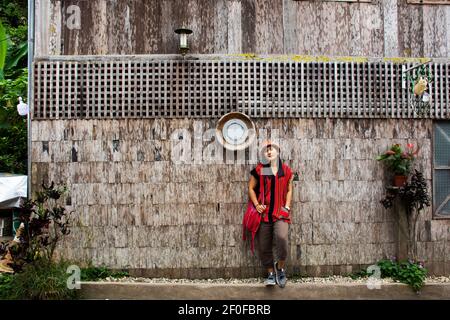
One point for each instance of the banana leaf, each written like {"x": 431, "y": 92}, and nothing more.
{"x": 15, "y": 56}
{"x": 3, "y": 47}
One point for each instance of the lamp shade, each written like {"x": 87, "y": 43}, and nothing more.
{"x": 22, "y": 108}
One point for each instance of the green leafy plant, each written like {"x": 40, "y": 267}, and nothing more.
{"x": 40, "y": 280}
{"x": 47, "y": 221}
{"x": 415, "y": 197}
{"x": 3, "y": 48}
{"x": 6, "y": 286}
{"x": 13, "y": 84}
{"x": 409, "y": 272}
{"x": 92, "y": 273}
{"x": 398, "y": 160}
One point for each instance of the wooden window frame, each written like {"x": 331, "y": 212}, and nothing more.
{"x": 435, "y": 215}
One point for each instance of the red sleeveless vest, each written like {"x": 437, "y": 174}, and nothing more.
{"x": 281, "y": 189}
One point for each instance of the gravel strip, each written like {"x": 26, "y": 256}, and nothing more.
{"x": 331, "y": 279}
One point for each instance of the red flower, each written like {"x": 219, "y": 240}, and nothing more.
{"x": 410, "y": 146}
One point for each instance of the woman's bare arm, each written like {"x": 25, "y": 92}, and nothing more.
{"x": 252, "y": 195}
{"x": 251, "y": 190}
{"x": 289, "y": 192}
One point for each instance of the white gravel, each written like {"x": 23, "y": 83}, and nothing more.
{"x": 330, "y": 279}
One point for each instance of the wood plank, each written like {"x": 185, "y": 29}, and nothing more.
{"x": 390, "y": 28}
{"x": 435, "y": 34}
{"x": 234, "y": 27}
{"x": 220, "y": 26}
{"x": 410, "y": 30}
{"x": 268, "y": 26}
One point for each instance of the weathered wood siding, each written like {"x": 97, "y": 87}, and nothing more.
{"x": 136, "y": 208}
{"x": 380, "y": 28}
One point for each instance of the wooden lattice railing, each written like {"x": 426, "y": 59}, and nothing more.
{"x": 147, "y": 88}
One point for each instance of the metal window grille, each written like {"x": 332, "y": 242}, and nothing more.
{"x": 441, "y": 168}
{"x": 210, "y": 88}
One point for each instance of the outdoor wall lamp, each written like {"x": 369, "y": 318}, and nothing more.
{"x": 22, "y": 108}
{"x": 183, "y": 32}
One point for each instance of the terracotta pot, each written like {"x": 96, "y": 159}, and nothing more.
{"x": 399, "y": 181}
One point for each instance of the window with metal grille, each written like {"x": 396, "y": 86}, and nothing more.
{"x": 441, "y": 169}
{"x": 429, "y": 1}
{"x": 343, "y": 0}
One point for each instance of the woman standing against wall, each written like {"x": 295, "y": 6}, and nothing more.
{"x": 273, "y": 179}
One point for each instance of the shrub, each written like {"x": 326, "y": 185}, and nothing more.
{"x": 92, "y": 273}
{"x": 40, "y": 280}
{"x": 47, "y": 221}
{"x": 6, "y": 286}
{"x": 408, "y": 272}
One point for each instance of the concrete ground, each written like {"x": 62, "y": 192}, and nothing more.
{"x": 257, "y": 291}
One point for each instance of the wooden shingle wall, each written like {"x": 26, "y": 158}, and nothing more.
{"x": 137, "y": 208}
{"x": 392, "y": 28}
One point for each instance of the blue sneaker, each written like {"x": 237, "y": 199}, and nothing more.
{"x": 270, "y": 281}
{"x": 280, "y": 276}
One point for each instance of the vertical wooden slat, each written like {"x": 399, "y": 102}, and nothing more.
{"x": 285, "y": 87}
{"x": 336, "y": 86}
{"x": 398, "y": 88}
{"x": 208, "y": 76}
{"x": 42, "y": 89}
{"x": 293, "y": 92}
{"x": 178, "y": 92}
{"x": 358, "y": 90}
{"x": 408, "y": 95}
{"x": 437, "y": 85}
{"x": 58, "y": 77}
{"x": 364, "y": 80}
{"x": 318, "y": 74}
{"x": 131, "y": 104}
{"x": 46, "y": 95}
{"x": 369, "y": 89}
{"x": 314, "y": 90}
{"x": 297, "y": 81}
{"x": 262, "y": 91}
{"x": 144, "y": 87}
{"x": 344, "y": 93}
{"x": 278, "y": 86}
{"x": 141, "y": 69}
{"x": 302, "y": 87}
{"x": 436, "y": 81}
{"x": 307, "y": 84}
{"x": 330, "y": 89}
{"x": 384, "y": 90}
{"x": 351, "y": 93}
{"x": 69, "y": 100}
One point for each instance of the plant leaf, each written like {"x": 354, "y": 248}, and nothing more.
{"x": 13, "y": 59}
{"x": 3, "y": 47}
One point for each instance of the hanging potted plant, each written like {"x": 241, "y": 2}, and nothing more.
{"x": 399, "y": 161}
